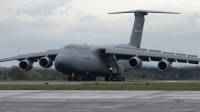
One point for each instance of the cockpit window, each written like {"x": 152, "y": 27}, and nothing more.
{"x": 69, "y": 47}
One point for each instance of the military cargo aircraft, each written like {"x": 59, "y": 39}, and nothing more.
{"x": 84, "y": 62}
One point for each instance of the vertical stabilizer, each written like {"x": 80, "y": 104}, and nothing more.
{"x": 136, "y": 36}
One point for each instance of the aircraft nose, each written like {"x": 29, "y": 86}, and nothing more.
{"x": 60, "y": 63}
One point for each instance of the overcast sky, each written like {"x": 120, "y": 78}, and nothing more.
{"x": 28, "y": 26}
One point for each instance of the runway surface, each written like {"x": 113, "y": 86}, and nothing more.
{"x": 99, "y": 101}
{"x": 92, "y": 82}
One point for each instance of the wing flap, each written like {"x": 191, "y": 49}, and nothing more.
{"x": 144, "y": 58}
{"x": 154, "y": 56}
{"x": 182, "y": 61}
{"x": 155, "y": 59}
{"x": 193, "y": 62}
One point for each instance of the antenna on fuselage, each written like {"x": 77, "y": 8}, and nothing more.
{"x": 137, "y": 30}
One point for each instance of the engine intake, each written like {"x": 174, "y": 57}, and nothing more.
{"x": 164, "y": 65}
{"x": 135, "y": 62}
{"x": 46, "y": 62}
{"x": 25, "y": 65}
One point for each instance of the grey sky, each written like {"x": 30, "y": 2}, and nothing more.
{"x": 28, "y": 26}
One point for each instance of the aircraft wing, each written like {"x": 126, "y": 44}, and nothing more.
{"x": 33, "y": 56}
{"x": 152, "y": 55}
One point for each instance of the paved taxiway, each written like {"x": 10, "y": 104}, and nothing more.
{"x": 99, "y": 101}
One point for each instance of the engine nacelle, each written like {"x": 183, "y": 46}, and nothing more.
{"x": 135, "y": 62}
{"x": 164, "y": 65}
{"x": 46, "y": 62}
{"x": 25, "y": 65}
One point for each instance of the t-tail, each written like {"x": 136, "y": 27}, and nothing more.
{"x": 137, "y": 30}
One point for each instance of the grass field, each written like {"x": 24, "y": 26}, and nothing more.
{"x": 120, "y": 86}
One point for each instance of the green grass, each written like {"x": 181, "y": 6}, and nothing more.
{"x": 120, "y": 86}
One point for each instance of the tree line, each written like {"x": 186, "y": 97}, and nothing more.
{"x": 183, "y": 73}
{"x": 174, "y": 73}
{"x": 15, "y": 73}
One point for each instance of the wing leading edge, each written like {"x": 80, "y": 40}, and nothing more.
{"x": 152, "y": 55}
{"x": 33, "y": 56}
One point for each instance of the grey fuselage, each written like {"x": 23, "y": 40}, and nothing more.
{"x": 83, "y": 59}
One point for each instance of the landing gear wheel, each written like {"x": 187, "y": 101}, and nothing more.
{"x": 68, "y": 78}
{"x": 79, "y": 79}
{"x": 83, "y": 78}
{"x": 111, "y": 78}
{"x": 120, "y": 78}
{"x": 106, "y": 79}
{"x": 88, "y": 78}
{"x": 95, "y": 78}
{"x": 72, "y": 78}
{"x": 75, "y": 78}
{"x": 123, "y": 79}
{"x": 117, "y": 78}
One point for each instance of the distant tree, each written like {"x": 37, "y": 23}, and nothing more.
{"x": 16, "y": 73}
{"x": 5, "y": 74}
{"x": 143, "y": 75}
{"x": 5, "y": 71}
{"x": 35, "y": 76}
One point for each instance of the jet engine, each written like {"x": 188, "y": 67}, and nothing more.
{"x": 25, "y": 65}
{"x": 46, "y": 62}
{"x": 164, "y": 65}
{"x": 135, "y": 62}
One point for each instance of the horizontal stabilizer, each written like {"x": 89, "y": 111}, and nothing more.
{"x": 144, "y": 11}
{"x": 136, "y": 35}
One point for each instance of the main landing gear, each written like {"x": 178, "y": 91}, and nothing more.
{"x": 81, "y": 78}
{"x": 114, "y": 78}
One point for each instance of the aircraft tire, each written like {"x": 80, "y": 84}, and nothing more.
{"x": 91, "y": 78}
{"x": 88, "y": 78}
{"x": 79, "y": 79}
{"x": 95, "y": 78}
{"x": 72, "y": 78}
{"x": 106, "y": 78}
{"x": 82, "y": 78}
{"x": 117, "y": 78}
{"x": 123, "y": 79}
{"x": 120, "y": 78}
{"x": 68, "y": 78}
{"x": 109, "y": 78}
{"x": 75, "y": 78}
